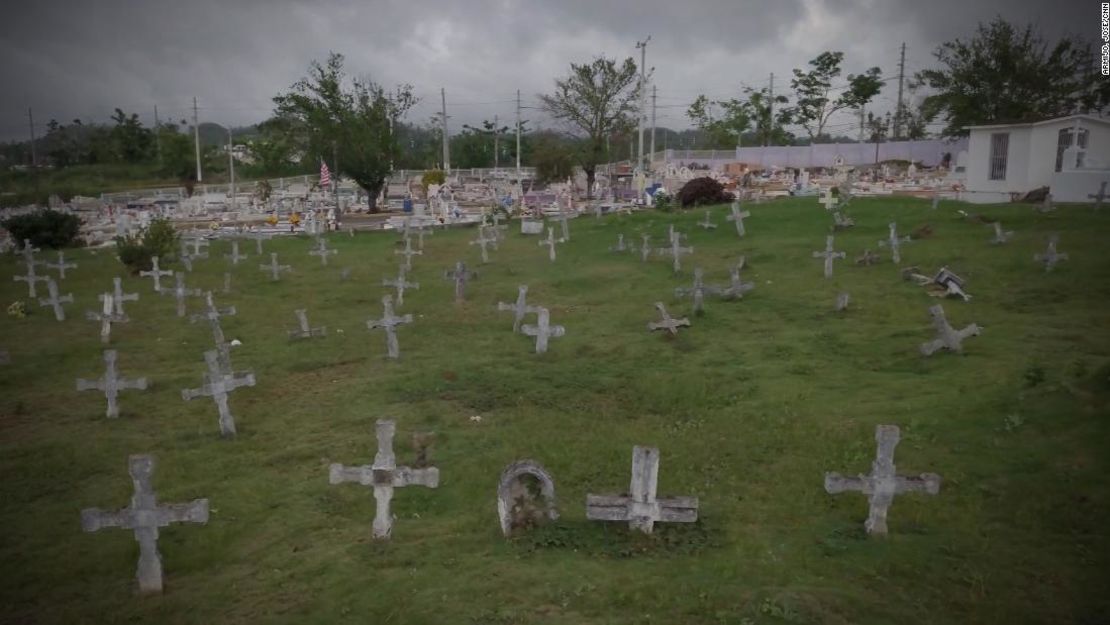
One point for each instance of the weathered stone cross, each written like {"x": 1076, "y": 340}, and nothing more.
{"x": 482, "y": 242}
{"x": 842, "y": 221}
{"x": 29, "y": 253}
{"x": 667, "y": 322}
{"x": 1050, "y": 256}
{"x": 235, "y": 256}
{"x": 408, "y": 253}
{"x": 258, "y": 237}
{"x": 384, "y": 475}
{"x": 828, "y": 200}
{"x": 305, "y": 331}
{"x": 322, "y": 250}
{"x": 645, "y": 249}
{"x": 119, "y": 297}
{"x": 621, "y": 247}
{"x": 274, "y": 268}
{"x": 1001, "y": 237}
{"x": 829, "y": 255}
{"x": 61, "y": 265}
{"x": 675, "y": 251}
{"x": 110, "y": 383}
{"x": 218, "y": 383}
{"x": 211, "y": 312}
{"x": 706, "y": 224}
{"x": 738, "y": 217}
{"x": 550, "y": 243}
{"x": 144, "y": 516}
{"x": 520, "y": 308}
{"x": 461, "y": 276}
{"x": 895, "y": 242}
{"x": 1100, "y": 196}
{"x": 31, "y": 278}
{"x": 947, "y": 337}
{"x": 389, "y": 323}
{"x": 641, "y": 508}
{"x": 156, "y": 274}
{"x": 400, "y": 284}
{"x": 198, "y": 242}
{"x": 106, "y": 317}
{"x": 180, "y": 292}
{"x": 736, "y": 287}
{"x": 562, "y": 219}
{"x": 1046, "y": 206}
{"x": 542, "y": 330}
{"x": 55, "y": 301}
{"x": 883, "y": 483}
{"x": 698, "y": 290}
{"x": 936, "y": 197}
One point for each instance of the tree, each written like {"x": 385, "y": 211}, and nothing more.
{"x": 553, "y": 157}
{"x": 813, "y": 104}
{"x": 1004, "y": 75}
{"x": 595, "y": 100}
{"x": 724, "y": 129}
{"x": 326, "y": 111}
{"x": 131, "y": 142}
{"x": 879, "y": 127}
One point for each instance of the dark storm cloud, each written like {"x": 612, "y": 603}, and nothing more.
{"x": 82, "y": 59}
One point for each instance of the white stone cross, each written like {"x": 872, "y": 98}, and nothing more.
{"x": 667, "y": 322}
{"x": 738, "y": 217}
{"x": 550, "y": 242}
{"x": 55, "y": 301}
{"x": 1050, "y": 256}
{"x": 936, "y": 196}
{"x": 389, "y": 323}
{"x": 829, "y": 255}
{"x": 227, "y": 283}
{"x": 883, "y": 483}
{"x": 483, "y": 242}
{"x": 211, "y": 312}
{"x": 1100, "y": 196}
{"x": 144, "y": 516}
{"x": 29, "y": 253}
{"x": 736, "y": 286}
{"x": 621, "y": 246}
{"x": 235, "y": 256}
{"x": 305, "y": 331}
{"x": 1001, "y": 236}
{"x": 198, "y": 242}
{"x": 842, "y": 300}
{"x": 461, "y": 276}
{"x": 408, "y": 253}
{"x": 828, "y": 200}
{"x": 520, "y": 308}
{"x": 842, "y": 221}
{"x": 31, "y": 278}
{"x": 641, "y": 508}
{"x": 274, "y": 268}
{"x": 895, "y": 242}
{"x": 61, "y": 265}
{"x": 698, "y": 291}
{"x": 258, "y": 237}
{"x": 562, "y": 219}
{"x": 322, "y": 250}
{"x": 706, "y": 224}
{"x": 543, "y": 330}
{"x": 106, "y": 317}
{"x": 675, "y": 251}
{"x": 384, "y": 475}
{"x": 947, "y": 337}
{"x": 180, "y": 292}
{"x": 119, "y": 297}
{"x": 420, "y": 237}
{"x": 218, "y": 383}
{"x": 110, "y": 383}
{"x": 400, "y": 284}
{"x": 645, "y": 248}
{"x": 156, "y": 274}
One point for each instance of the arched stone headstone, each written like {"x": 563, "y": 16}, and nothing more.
{"x": 510, "y": 488}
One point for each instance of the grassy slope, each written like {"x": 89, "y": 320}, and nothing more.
{"x": 749, "y": 407}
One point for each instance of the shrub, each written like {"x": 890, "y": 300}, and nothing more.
{"x": 433, "y": 176}
{"x": 45, "y": 228}
{"x": 663, "y": 201}
{"x": 704, "y": 190}
{"x": 158, "y": 239}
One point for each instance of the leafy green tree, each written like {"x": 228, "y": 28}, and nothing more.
{"x": 813, "y": 100}
{"x": 1004, "y": 74}
{"x": 131, "y": 142}
{"x": 731, "y": 126}
{"x": 326, "y": 111}
{"x": 553, "y": 156}
{"x": 596, "y": 99}
{"x": 878, "y": 126}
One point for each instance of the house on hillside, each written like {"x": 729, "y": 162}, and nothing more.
{"x": 1006, "y": 161}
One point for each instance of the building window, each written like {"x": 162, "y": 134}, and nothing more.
{"x": 1000, "y": 148}
{"x": 1063, "y": 142}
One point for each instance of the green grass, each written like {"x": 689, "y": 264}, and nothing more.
{"x": 749, "y": 408}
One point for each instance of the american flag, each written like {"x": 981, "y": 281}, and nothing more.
{"x": 325, "y": 175}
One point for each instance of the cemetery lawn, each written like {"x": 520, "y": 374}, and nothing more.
{"x": 748, "y": 407}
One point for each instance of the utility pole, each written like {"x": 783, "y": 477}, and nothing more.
{"x": 446, "y": 145}
{"x": 196, "y": 137}
{"x": 31, "y": 125}
{"x": 771, "y": 103}
{"x": 231, "y": 165}
{"x": 157, "y": 136}
{"x": 518, "y": 135}
{"x": 642, "y": 46}
{"x": 496, "y": 136}
{"x": 898, "y": 112}
{"x": 651, "y": 159}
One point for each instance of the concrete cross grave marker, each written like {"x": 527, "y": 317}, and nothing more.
{"x": 55, "y": 301}
{"x": 842, "y": 299}
{"x": 936, "y": 197}
{"x": 640, "y": 507}
{"x": 697, "y": 291}
{"x": 304, "y": 331}
{"x": 666, "y": 322}
{"x": 345, "y": 274}
{"x": 828, "y": 200}
{"x": 384, "y": 475}
{"x": 543, "y": 330}
{"x": 867, "y": 258}
{"x": 408, "y": 253}
{"x": 218, "y": 382}
{"x": 274, "y": 268}
{"x": 1100, "y": 196}
{"x": 1046, "y": 206}
{"x": 519, "y": 308}
{"x": 675, "y": 251}
{"x": 119, "y": 297}
{"x": 180, "y": 292}
{"x": 842, "y": 221}
{"x": 31, "y": 278}
{"x": 953, "y": 284}
{"x": 322, "y": 251}
{"x": 895, "y": 243}
{"x": 1050, "y": 256}
{"x": 227, "y": 283}
{"x": 737, "y": 216}
{"x": 400, "y": 284}
{"x": 947, "y": 337}
{"x": 258, "y": 237}
{"x": 389, "y": 323}
{"x": 61, "y": 265}
{"x": 883, "y": 483}
{"x": 563, "y": 223}
{"x": 621, "y": 246}
{"x": 211, "y": 312}
{"x": 420, "y": 237}
{"x": 235, "y": 256}
{"x": 645, "y": 248}
{"x": 29, "y": 252}
{"x": 483, "y": 242}
{"x": 106, "y": 317}
{"x": 199, "y": 242}
{"x": 550, "y": 242}
{"x": 1000, "y": 236}
{"x": 829, "y": 256}
{"x": 144, "y": 516}
{"x": 186, "y": 260}
{"x": 706, "y": 224}
{"x": 111, "y": 383}
{"x": 736, "y": 287}
{"x": 461, "y": 276}
{"x": 514, "y": 505}
{"x": 156, "y": 274}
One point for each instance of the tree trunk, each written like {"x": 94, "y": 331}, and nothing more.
{"x": 372, "y": 192}
{"x": 590, "y": 171}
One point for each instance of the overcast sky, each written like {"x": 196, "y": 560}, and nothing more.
{"x": 78, "y": 58}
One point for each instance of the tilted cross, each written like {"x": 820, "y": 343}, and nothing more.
{"x": 460, "y": 275}
{"x": 384, "y": 475}
{"x": 110, "y": 383}
{"x": 1050, "y": 256}
{"x": 1001, "y": 237}
{"x": 698, "y": 290}
{"x": 867, "y": 258}
{"x": 706, "y": 224}
{"x": 305, "y": 331}
{"x": 883, "y": 483}
{"x": 180, "y": 292}
{"x": 645, "y": 248}
{"x": 947, "y": 337}
{"x": 543, "y": 330}
{"x": 736, "y": 286}
{"x": 828, "y": 200}
{"x": 666, "y": 322}
{"x": 641, "y": 507}
{"x": 211, "y": 312}
{"x": 829, "y": 255}
{"x": 156, "y": 274}
{"x": 218, "y": 383}
{"x": 738, "y": 217}
{"x": 31, "y": 278}
{"x": 322, "y": 251}
{"x": 144, "y": 516}
{"x": 61, "y": 265}
{"x": 482, "y": 242}
{"x": 408, "y": 253}
{"x": 895, "y": 243}
{"x": 400, "y": 284}
{"x": 519, "y": 308}
{"x": 389, "y": 323}
{"x": 29, "y": 253}
{"x": 1100, "y": 196}
{"x": 550, "y": 242}
{"x": 106, "y": 317}
{"x": 235, "y": 256}
{"x": 842, "y": 222}
{"x": 274, "y": 268}
{"x": 675, "y": 251}
{"x": 55, "y": 301}
{"x": 119, "y": 297}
